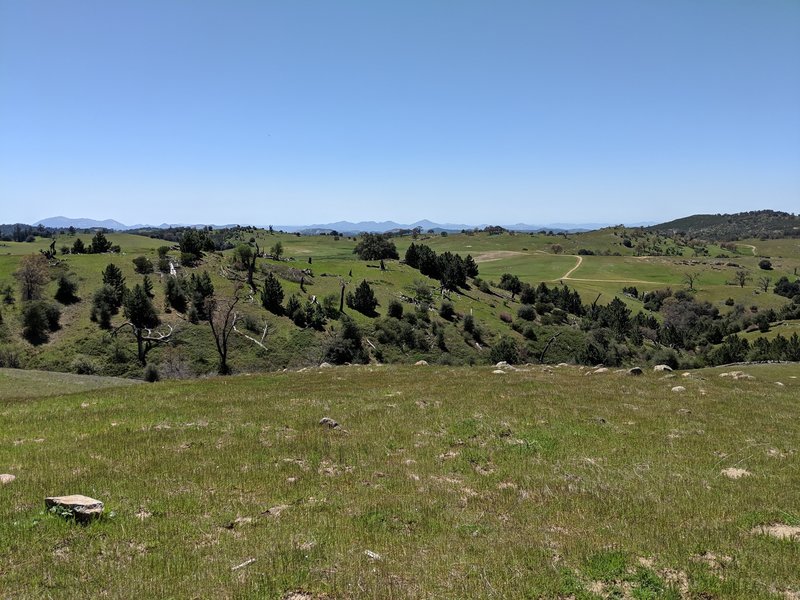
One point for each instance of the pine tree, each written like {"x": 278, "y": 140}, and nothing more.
{"x": 112, "y": 277}
{"x": 363, "y": 300}
{"x": 272, "y": 294}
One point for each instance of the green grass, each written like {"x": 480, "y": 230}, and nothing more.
{"x": 540, "y": 483}
{"x": 529, "y": 256}
{"x": 16, "y": 383}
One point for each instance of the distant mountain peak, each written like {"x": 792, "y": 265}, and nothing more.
{"x": 81, "y": 223}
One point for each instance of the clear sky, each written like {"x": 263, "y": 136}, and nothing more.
{"x": 300, "y": 112}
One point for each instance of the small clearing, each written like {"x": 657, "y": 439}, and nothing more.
{"x": 485, "y": 257}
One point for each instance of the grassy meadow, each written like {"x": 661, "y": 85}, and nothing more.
{"x": 537, "y": 482}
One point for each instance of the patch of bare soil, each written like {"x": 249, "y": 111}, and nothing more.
{"x": 496, "y": 255}
{"x": 735, "y": 473}
{"x": 780, "y": 531}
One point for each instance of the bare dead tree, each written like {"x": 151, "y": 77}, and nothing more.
{"x": 547, "y": 347}
{"x": 763, "y": 283}
{"x": 222, "y": 319}
{"x": 146, "y": 338}
{"x": 142, "y": 320}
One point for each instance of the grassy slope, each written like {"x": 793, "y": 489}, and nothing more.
{"x": 537, "y": 483}
{"x": 529, "y": 256}
{"x": 16, "y": 383}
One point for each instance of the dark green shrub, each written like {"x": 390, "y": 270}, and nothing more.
{"x": 395, "y": 309}
{"x": 505, "y": 349}
{"x": 38, "y": 319}
{"x": 143, "y": 265}
{"x": 66, "y": 290}
{"x": 526, "y": 312}
{"x": 469, "y": 323}
{"x": 83, "y": 366}
{"x": 151, "y": 374}
{"x": 175, "y": 294}
{"x": 272, "y": 294}
{"x": 363, "y": 300}
{"x": 446, "y": 311}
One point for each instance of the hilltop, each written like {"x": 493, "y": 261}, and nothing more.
{"x": 759, "y": 224}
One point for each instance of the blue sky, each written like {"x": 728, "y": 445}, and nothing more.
{"x": 474, "y": 112}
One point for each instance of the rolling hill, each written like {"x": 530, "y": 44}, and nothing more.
{"x": 766, "y": 224}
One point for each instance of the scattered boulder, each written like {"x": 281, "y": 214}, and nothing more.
{"x": 6, "y": 478}
{"x": 737, "y": 375}
{"x": 659, "y": 368}
{"x": 329, "y": 422}
{"x": 499, "y": 372}
{"x": 679, "y": 389}
{"x": 421, "y": 363}
{"x": 635, "y": 371}
{"x": 501, "y": 365}
{"x": 325, "y": 365}
{"x": 82, "y": 508}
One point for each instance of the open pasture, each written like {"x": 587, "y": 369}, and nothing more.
{"x": 439, "y": 482}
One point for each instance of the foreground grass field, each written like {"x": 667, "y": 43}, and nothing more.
{"x": 440, "y": 483}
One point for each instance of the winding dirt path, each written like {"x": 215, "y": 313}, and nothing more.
{"x": 567, "y": 276}
{"x": 753, "y": 248}
{"x": 573, "y": 269}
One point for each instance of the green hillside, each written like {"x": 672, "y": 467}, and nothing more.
{"x": 614, "y": 296}
{"x": 755, "y": 224}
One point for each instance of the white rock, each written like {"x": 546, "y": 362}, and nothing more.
{"x": 499, "y": 372}
{"x": 6, "y": 478}
{"x": 679, "y": 388}
{"x": 662, "y": 368}
{"x": 82, "y": 507}
{"x": 421, "y": 363}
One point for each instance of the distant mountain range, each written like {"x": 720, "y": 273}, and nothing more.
{"x": 340, "y": 226}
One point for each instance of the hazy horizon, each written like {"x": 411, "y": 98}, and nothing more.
{"x": 509, "y": 112}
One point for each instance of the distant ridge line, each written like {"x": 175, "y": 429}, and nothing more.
{"x": 340, "y": 226}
